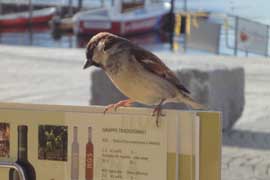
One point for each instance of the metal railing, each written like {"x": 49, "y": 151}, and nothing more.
{"x": 15, "y": 166}
{"x": 237, "y": 36}
{"x": 232, "y": 24}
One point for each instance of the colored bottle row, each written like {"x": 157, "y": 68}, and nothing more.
{"x": 89, "y": 156}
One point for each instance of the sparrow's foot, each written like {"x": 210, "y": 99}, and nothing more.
{"x": 124, "y": 103}
{"x": 158, "y": 112}
{"x": 109, "y": 107}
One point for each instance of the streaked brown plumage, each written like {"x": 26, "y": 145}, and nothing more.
{"x": 136, "y": 72}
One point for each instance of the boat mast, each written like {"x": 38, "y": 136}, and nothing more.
{"x": 30, "y": 11}
{"x": 80, "y": 3}
{"x": 185, "y": 5}
{"x": 171, "y": 29}
{"x": 1, "y": 8}
{"x": 70, "y": 9}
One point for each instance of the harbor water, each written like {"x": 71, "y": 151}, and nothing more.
{"x": 45, "y": 37}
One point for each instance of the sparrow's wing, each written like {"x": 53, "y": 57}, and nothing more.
{"x": 153, "y": 64}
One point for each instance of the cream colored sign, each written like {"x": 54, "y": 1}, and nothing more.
{"x": 126, "y": 147}
{"x": 123, "y": 146}
{"x": 81, "y": 143}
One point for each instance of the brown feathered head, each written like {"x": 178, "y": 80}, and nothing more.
{"x": 96, "y": 46}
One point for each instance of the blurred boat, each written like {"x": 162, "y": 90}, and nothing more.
{"x": 23, "y": 18}
{"x": 149, "y": 39}
{"x": 24, "y": 29}
{"x": 61, "y": 24}
{"x": 122, "y": 18}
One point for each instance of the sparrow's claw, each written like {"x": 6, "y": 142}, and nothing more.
{"x": 158, "y": 112}
{"x": 109, "y": 107}
{"x": 124, "y": 103}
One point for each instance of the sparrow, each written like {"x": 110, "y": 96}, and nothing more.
{"x": 137, "y": 73}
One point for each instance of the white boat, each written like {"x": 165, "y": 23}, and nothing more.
{"x": 121, "y": 18}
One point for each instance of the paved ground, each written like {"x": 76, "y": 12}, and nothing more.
{"x": 43, "y": 75}
{"x": 54, "y": 76}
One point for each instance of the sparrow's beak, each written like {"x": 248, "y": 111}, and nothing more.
{"x": 88, "y": 63}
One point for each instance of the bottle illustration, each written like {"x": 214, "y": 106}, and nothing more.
{"x": 22, "y": 158}
{"x": 75, "y": 155}
{"x": 89, "y": 158}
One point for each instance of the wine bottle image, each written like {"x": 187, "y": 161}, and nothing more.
{"x": 89, "y": 158}
{"x": 75, "y": 155}
{"x": 22, "y": 158}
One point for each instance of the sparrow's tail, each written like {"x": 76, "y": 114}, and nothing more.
{"x": 195, "y": 105}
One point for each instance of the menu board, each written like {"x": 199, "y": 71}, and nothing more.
{"x": 75, "y": 143}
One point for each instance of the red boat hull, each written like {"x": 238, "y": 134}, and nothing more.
{"x": 25, "y": 21}
{"x": 22, "y": 18}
